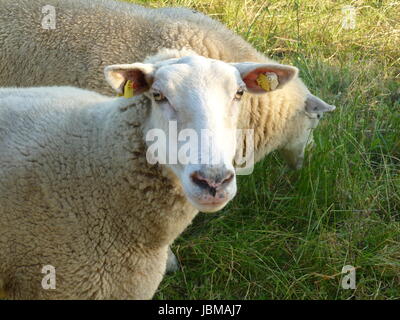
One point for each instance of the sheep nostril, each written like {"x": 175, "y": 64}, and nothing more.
{"x": 228, "y": 178}
{"x": 203, "y": 183}
{"x": 199, "y": 180}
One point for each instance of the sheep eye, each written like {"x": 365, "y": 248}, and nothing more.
{"x": 239, "y": 94}
{"x": 158, "y": 96}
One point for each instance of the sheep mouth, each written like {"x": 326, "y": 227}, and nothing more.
{"x": 206, "y": 203}
{"x": 215, "y": 202}
{"x": 211, "y": 207}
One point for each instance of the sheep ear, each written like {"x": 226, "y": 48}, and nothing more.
{"x": 261, "y": 78}
{"x": 139, "y": 76}
{"x": 314, "y": 104}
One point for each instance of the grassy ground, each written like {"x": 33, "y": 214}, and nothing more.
{"x": 287, "y": 235}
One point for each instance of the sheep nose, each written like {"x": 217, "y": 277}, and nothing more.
{"x": 212, "y": 183}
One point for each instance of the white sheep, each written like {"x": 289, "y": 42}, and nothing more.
{"x": 92, "y": 34}
{"x": 77, "y": 191}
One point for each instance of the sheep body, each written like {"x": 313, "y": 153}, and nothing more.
{"x": 92, "y": 34}
{"x": 97, "y": 210}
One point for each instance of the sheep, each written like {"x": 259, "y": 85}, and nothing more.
{"x": 92, "y": 34}
{"x": 78, "y": 191}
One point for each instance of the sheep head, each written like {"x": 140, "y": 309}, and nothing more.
{"x": 195, "y": 105}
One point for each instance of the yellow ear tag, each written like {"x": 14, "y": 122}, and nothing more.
{"x": 268, "y": 81}
{"x": 129, "y": 91}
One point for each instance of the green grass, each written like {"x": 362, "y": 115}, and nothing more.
{"x": 287, "y": 234}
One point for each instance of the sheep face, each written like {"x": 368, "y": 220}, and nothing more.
{"x": 195, "y": 104}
